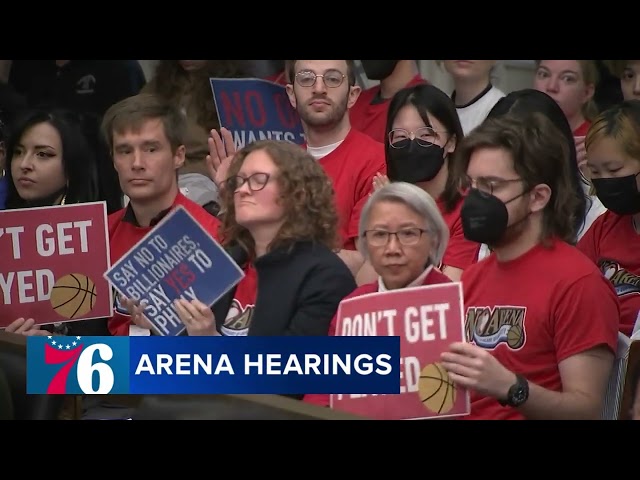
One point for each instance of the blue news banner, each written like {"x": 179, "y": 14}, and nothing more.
{"x": 213, "y": 365}
{"x": 177, "y": 259}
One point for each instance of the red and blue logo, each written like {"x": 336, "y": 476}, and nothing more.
{"x": 60, "y": 365}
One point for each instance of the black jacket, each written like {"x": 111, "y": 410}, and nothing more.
{"x": 299, "y": 290}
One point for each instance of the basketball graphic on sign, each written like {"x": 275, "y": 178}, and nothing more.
{"x": 73, "y": 295}
{"x": 436, "y": 390}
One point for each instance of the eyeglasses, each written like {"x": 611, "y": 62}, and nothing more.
{"x": 406, "y": 236}
{"x": 485, "y": 184}
{"x": 400, "y": 138}
{"x": 331, "y": 78}
{"x": 256, "y": 181}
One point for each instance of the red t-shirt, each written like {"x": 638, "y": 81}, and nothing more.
{"x": 434, "y": 277}
{"x": 124, "y": 233}
{"x": 243, "y": 304}
{"x": 582, "y": 130}
{"x": 613, "y": 244}
{"x": 369, "y": 114}
{"x": 460, "y": 252}
{"x": 352, "y": 167}
{"x": 534, "y": 312}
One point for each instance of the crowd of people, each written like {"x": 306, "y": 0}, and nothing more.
{"x": 530, "y": 199}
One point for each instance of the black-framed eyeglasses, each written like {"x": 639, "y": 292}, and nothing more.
{"x": 406, "y": 236}
{"x": 256, "y": 181}
{"x": 401, "y": 138}
{"x": 486, "y": 185}
{"x": 331, "y": 78}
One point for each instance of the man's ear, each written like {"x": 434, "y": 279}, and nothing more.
{"x": 354, "y": 93}
{"x": 179, "y": 157}
{"x": 291, "y": 95}
{"x": 540, "y": 197}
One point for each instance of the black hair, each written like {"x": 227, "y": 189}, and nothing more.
{"x": 78, "y": 156}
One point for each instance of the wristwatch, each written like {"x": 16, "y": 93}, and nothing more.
{"x": 518, "y": 393}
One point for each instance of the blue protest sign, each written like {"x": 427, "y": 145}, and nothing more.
{"x": 255, "y": 109}
{"x": 177, "y": 259}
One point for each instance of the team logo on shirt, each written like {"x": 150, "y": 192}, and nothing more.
{"x": 623, "y": 281}
{"x": 489, "y": 327}
{"x": 117, "y": 304}
{"x": 238, "y": 320}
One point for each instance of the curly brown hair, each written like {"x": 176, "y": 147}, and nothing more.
{"x": 171, "y": 82}
{"x": 307, "y": 194}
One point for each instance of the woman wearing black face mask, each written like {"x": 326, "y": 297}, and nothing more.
{"x": 424, "y": 130}
{"x": 613, "y": 241}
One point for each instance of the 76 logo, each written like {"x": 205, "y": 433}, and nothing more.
{"x": 90, "y": 361}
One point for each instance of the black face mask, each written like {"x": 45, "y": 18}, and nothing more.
{"x": 620, "y": 195}
{"x": 413, "y": 163}
{"x": 485, "y": 218}
{"x": 378, "y": 69}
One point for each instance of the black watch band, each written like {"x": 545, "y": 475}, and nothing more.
{"x": 518, "y": 393}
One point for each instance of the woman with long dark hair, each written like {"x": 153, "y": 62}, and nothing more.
{"x": 50, "y": 161}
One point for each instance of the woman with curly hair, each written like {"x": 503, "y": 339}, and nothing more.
{"x": 185, "y": 83}
{"x": 280, "y": 213}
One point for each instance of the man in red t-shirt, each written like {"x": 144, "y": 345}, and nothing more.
{"x": 369, "y": 114}
{"x": 322, "y": 92}
{"x": 541, "y": 321}
{"x": 146, "y": 139}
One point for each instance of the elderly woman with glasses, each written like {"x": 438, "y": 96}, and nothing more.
{"x": 281, "y": 225}
{"x": 403, "y": 235}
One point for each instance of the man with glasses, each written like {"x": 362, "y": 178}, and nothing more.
{"x": 541, "y": 321}
{"x": 369, "y": 113}
{"x": 322, "y": 92}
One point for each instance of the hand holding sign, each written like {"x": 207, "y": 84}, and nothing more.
{"x": 221, "y": 152}
{"x": 136, "y": 310}
{"x": 177, "y": 259}
{"x": 26, "y": 327}
{"x": 473, "y": 367}
{"x": 197, "y": 317}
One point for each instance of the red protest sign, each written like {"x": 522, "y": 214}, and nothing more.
{"x": 427, "y": 319}
{"x": 53, "y": 261}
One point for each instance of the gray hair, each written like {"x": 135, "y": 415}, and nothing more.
{"x": 417, "y": 200}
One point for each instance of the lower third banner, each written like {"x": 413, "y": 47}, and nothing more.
{"x": 213, "y": 365}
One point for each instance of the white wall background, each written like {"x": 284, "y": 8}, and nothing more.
{"x": 509, "y": 75}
